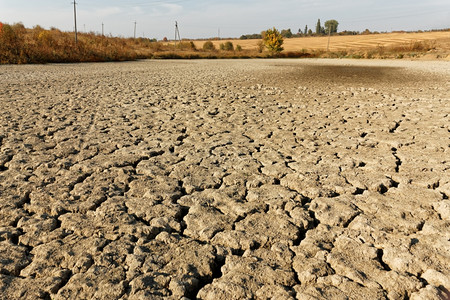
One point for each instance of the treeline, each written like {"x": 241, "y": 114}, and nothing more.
{"x": 329, "y": 27}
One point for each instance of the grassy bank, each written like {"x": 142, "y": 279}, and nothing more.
{"x": 20, "y": 45}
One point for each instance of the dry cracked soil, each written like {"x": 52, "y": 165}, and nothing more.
{"x": 233, "y": 179}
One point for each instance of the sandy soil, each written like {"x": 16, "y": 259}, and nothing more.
{"x": 291, "y": 179}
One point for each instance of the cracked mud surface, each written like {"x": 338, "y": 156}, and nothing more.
{"x": 284, "y": 179}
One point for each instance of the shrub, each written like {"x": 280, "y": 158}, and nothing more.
{"x": 185, "y": 46}
{"x": 238, "y": 48}
{"x": 209, "y": 46}
{"x": 228, "y": 46}
{"x": 10, "y": 45}
{"x": 261, "y": 46}
{"x": 273, "y": 40}
{"x": 45, "y": 38}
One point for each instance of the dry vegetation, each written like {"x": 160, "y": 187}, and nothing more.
{"x": 19, "y": 45}
{"x": 435, "y": 44}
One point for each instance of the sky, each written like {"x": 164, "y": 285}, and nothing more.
{"x": 205, "y": 19}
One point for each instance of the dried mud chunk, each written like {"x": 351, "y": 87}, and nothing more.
{"x": 38, "y": 229}
{"x": 228, "y": 200}
{"x": 355, "y": 260}
{"x": 275, "y": 196}
{"x": 338, "y": 287}
{"x": 363, "y": 264}
{"x": 443, "y": 208}
{"x": 158, "y": 166}
{"x": 430, "y": 250}
{"x": 430, "y": 293}
{"x": 97, "y": 283}
{"x": 10, "y": 215}
{"x": 397, "y": 285}
{"x": 13, "y": 287}
{"x": 308, "y": 185}
{"x": 174, "y": 264}
{"x": 270, "y": 226}
{"x": 243, "y": 277}
{"x": 401, "y": 260}
{"x": 154, "y": 190}
{"x": 437, "y": 278}
{"x": 10, "y": 234}
{"x": 403, "y": 209}
{"x": 274, "y": 292}
{"x": 13, "y": 258}
{"x": 369, "y": 180}
{"x": 204, "y": 222}
{"x": 317, "y": 240}
{"x": 238, "y": 240}
{"x": 322, "y": 292}
{"x": 308, "y": 269}
{"x": 338, "y": 211}
{"x": 277, "y": 170}
{"x": 197, "y": 178}
{"x": 104, "y": 222}
{"x": 268, "y": 157}
{"x": 72, "y": 253}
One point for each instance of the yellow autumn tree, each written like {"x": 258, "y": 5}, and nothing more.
{"x": 273, "y": 40}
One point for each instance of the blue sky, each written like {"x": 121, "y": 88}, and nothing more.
{"x": 201, "y": 18}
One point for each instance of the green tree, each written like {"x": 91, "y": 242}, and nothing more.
{"x": 287, "y": 33}
{"x": 306, "y": 30}
{"x": 273, "y": 40}
{"x": 209, "y": 46}
{"x": 318, "y": 27}
{"x": 331, "y": 26}
{"x": 228, "y": 46}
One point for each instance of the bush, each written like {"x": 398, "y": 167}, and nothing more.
{"x": 238, "y": 48}
{"x": 209, "y": 46}
{"x": 261, "y": 46}
{"x": 273, "y": 40}
{"x": 186, "y": 46}
{"x": 45, "y": 38}
{"x": 228, "y": 46}
{"x": 10, "y": 45}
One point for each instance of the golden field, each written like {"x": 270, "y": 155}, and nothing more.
{"x": 439, "y": 41}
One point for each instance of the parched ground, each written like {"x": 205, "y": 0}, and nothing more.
{"x": 252, "y": 179}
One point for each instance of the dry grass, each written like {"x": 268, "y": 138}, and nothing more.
{"x": 364, "y": 46}
{"x": 21, "y": 45}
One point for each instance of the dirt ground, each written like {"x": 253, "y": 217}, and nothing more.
{"x": 232, "y": 179}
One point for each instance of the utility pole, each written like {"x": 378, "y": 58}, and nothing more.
{"x": 103, "y": 29}
{"x": 75, "y": 18}
{"x": 135, "y": 29}
{"x": 218, "y": 33}
{"x": 329, "y": 36}
{"x": 177, "y": 33}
